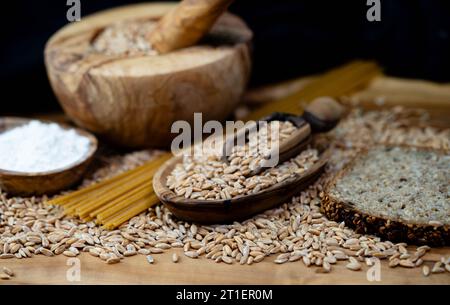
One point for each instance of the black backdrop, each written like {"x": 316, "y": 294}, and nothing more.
{"x": 292, "y": 38}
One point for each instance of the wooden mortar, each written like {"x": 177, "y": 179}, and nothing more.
{"x": 132, "y": 100}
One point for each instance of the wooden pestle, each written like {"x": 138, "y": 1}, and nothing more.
{"x": 185, "y": 25}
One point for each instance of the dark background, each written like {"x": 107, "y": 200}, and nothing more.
{"x": 292, "y": 38}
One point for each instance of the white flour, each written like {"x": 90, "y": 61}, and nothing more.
{"x": 38, "y": 147}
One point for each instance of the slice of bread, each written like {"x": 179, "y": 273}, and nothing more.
{"x": 400, "y": 193}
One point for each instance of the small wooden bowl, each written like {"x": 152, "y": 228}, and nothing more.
{"x": 26, "y": 184}
{"x": 238, "y": 208}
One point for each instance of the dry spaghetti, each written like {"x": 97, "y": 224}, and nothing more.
{"x": 114, "y": 201}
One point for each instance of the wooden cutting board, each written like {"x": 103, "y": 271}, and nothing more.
{"x": 136, "y": 270}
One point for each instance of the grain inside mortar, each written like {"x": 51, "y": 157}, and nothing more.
{"x": 295, "y": 231}
{"x": 125, "y": 38}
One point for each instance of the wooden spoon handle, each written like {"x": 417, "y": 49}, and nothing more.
{"x": 323, "y": 114}
{"x": 186, "y": 24}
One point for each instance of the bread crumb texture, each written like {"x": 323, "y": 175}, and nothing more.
{"x": 398, "y": 183}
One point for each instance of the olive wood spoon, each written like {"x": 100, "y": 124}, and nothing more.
{"x": 239, "y": 207}
{"x": 320, "y": 117}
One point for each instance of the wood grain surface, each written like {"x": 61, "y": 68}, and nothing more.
{"x": 136, "y": 270}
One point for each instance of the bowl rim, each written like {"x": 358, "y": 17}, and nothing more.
{"x": 19, "y": 121}
{"x": 95, "y": 23}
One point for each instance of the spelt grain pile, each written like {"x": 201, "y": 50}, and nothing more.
{"x": 207, "y": 177}
{"x": 125, "y": 38}
{"x": 295, "y": 231}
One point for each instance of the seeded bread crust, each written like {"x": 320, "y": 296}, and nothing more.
{"x": 394, "y": 230}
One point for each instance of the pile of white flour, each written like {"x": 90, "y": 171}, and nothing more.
{"x": 39, "y": 147}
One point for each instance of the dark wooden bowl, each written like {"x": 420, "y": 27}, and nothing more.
{"x": 26, "y": 184}
{"x": 238, "y": 208}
